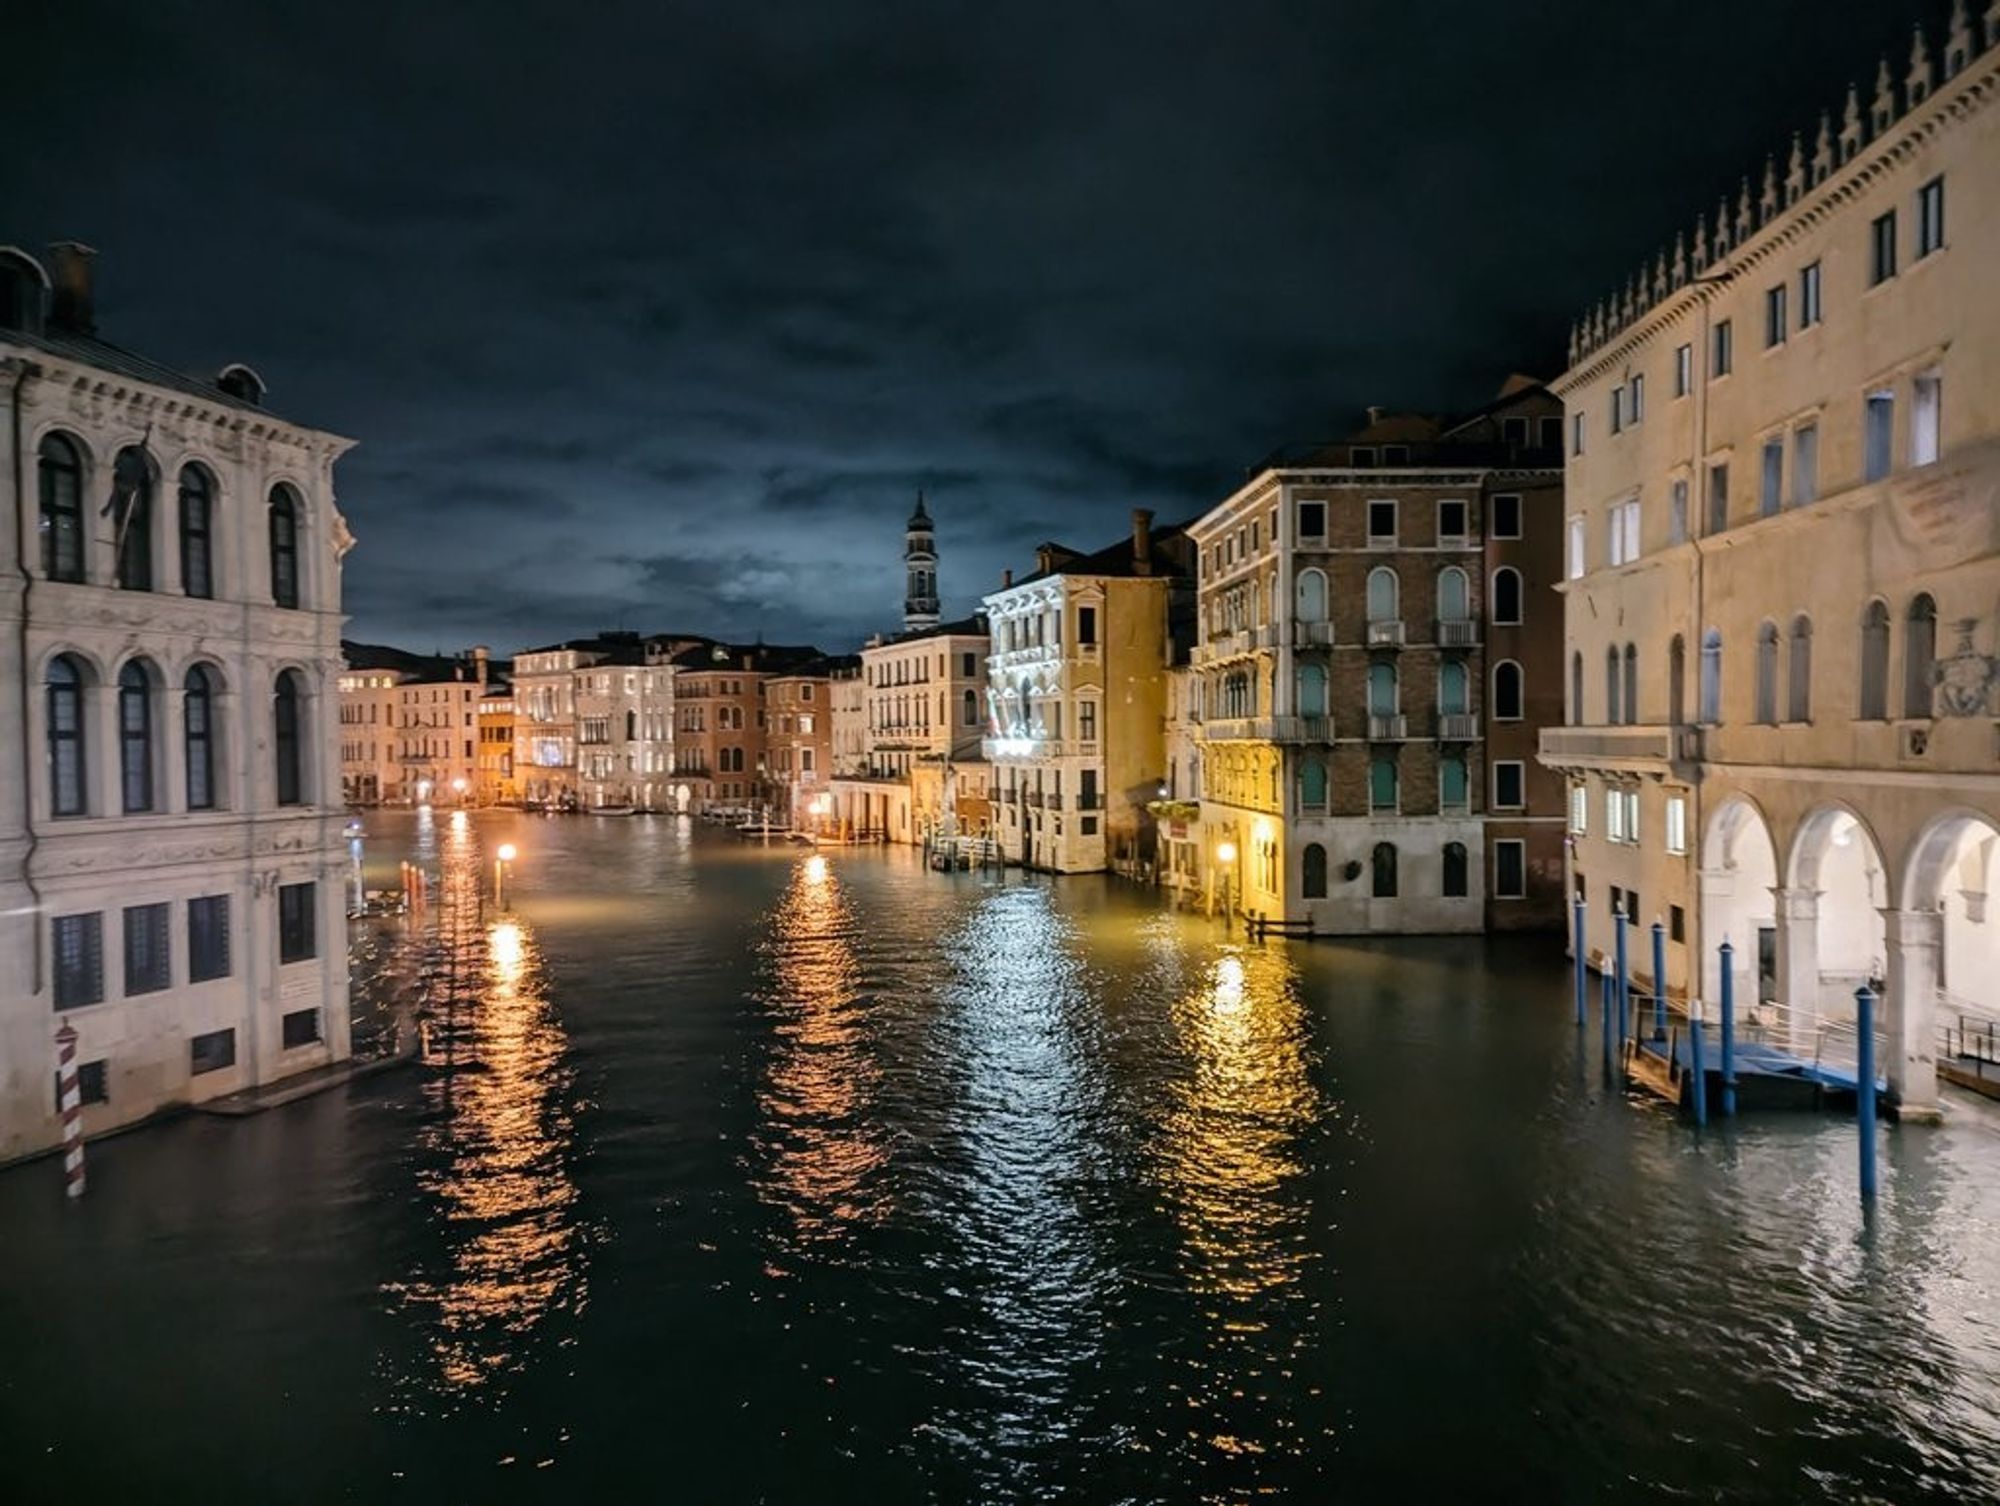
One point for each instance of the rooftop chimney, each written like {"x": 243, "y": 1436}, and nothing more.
{"x": 1045, "y": 558}
{"x": 1006, "y": 577}
{"x": 480, "y": 655}
{"x": 1142, "y": 541}
{"x": 71, "y": 307}
{"x": 1374, "y": 414}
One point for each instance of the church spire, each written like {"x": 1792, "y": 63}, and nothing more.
{"x": 920, "y": 598}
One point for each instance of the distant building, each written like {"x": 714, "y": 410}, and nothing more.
{"x": 172, "y": 863}
{"x": 920, "y": 562}
{"x": 721, "y": 724}
{"x": 1783, "y": 565}
{"x": 799, "y": 741}
{"x": 496, "y": 783}
{"x": 408, "y": 725}
{"x": 1077, "y": 698}
{"x": 924, "y": 699}
{"x": 1368, "y": 643}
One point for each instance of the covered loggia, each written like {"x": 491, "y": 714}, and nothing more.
{"x": 1946, "y": 895}
{"x": 1837, "y": 892}
{"x": 1739, "y": 872}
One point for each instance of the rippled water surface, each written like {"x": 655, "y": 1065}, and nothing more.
{"x": 753, "y": 1175}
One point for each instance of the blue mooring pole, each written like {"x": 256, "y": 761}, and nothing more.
{"x": 1728, "y": 1029}
{"x": 1864, "y": 1086}
{"x": 1698, "y": 1062}
{"x": 1659, "y": 981}
{"x": 1624, "y": 980}
{"x": 1605, "y": 993}
{"x": 1579, "y": 965}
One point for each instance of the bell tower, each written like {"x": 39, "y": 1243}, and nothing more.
{"x": 920, "y": 598}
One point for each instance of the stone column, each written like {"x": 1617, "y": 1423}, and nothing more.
{"x": 1798, "y": 964}
{"x": 1718, "y": 887}
{"x": 1914, "y": 940}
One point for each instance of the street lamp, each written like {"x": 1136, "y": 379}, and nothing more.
{"x": 502, "y": 856}
{"x": 458, "y": 789}
{"x": 1225, "y": 854}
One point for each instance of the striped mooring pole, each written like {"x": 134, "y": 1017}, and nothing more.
{"x": 69, "y": 1098}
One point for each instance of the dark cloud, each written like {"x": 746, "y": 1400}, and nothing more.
{"x": 662, "y": 315}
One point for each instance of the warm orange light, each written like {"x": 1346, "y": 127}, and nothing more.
{"x": 1225, "y": 852}
{"x": 506, "y": 852}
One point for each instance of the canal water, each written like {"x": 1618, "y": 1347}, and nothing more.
{"x": 764, "y": 1176}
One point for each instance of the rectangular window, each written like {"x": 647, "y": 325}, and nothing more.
{"x": 1514, "y": 431}
{"x": 1930, "y": 218}
{"x": 1926, "y": 418}
{"x": 1882, "y": 250}
{"x": 1510, "y": 868}
{"x": 1805, "y": 464}
{"x": 1577, "y": 559}
{"x": 1312, "y": 520}
{"x": 297, "y": 939}
{"x": 1809, "y": 304}
{"x": 1776, "y": 320}
{"x": 1504, "y": 513}
{"x": 1677, "y": 824}
{"x": 1622, "y": 537}
{"x": 1579, "y": 810}
{"x": 1086, "y": 625}
{"x": 1086, "y": 721}
{"x": 1381, "y": 523}
{"x": 1677, "y": 923}
{"x": 77, "y": 944}
{"x": 1718, "y": 496}
{"x": 211, "y": 1052}
{"x": 1576, "y": 434}
{"x": 1878, "y": 434}
{"x": 148, "y": 965}
{"x": 1677, "y": 511}
{"x": 1683, "y": 370}
{"x": 1617, "y": 409}
{"x": 1550, "y": 431}
{"x": 1395, "y": 454}
{"x": 1771, "y": 492}
{"x": 1635, "y": 402}
{"x": 300, "y": 1027}
{"x": 1509, "y": 784}
{"x": 1361, "y": 457}
{"x": 1722, "y": 350}
{"x": 1451, "y": 520}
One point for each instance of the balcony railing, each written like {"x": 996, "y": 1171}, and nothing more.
{"x": 1271, "y": 729}
{"x": 1457, "y": 726}
{"x": 1457, "y": 634}
{"x": 1313, "y": 634}
{"x": 1618, "y": 745}
{"x": 1387, "y": 727}
{"x": 1386, "y": 634}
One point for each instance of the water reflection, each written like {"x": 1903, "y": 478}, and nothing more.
{"x": 819, "y": 1139}
{"x": 494, "y": 1154}
{"x": 1233, "y": 1156}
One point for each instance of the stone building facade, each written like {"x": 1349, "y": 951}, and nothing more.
{"x": 1784, "y": 472}
{"x": 171, "y": 853}
{"x": 799, "y": 737}
{"x": 722, "y": 724}
{"x": 923, "y": 695}
{"x": 1076, "y": 699}
{"x": 1349, "y": 687}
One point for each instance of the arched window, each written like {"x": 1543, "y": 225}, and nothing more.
{"x": 69, "y": 788}
{"x": 1454, "y": 595}
{"x": 135, "y": 736}
{"x": 1383, "y": 866}
{"x": 631, "y": 726}
{"x": 1312, "y": 596}
{"x": 1312, "y": 784}
{"x": 1677, "y": 680}
{"x": 1452, "y": 698}
{"x": 1382, "y": 689}
{"x": 1919, "y": 657}
{"x": 132, "y": 483}
{"x": 1798, "y": 681}
{"x": 1711, "y": 678}
{"x": 1631, "y": 683}
{"x": 61, "y": 469}
{"x": 197, "y": 554}
{"x": 1576, "y": 689}
{"x": 1315, "y": 871}
{"x": 1506, "y": 596}
{"x": 198, "y": 718}
{"x": 284, "y": 546}
{"x": 1874, "y": 703}
{"x": 1382, "y": 784}
{"x": 1454, "y": 870}
{"x": 1454, "y": 786}
{"x": 1312, "y": 690}
{"x": 1507, "y": 691}
{"x": 1614, "y": 705}
{"x": 1767, "y": 674}
{"x": 1382, "y": 595}
{"x": 288, "y": 738}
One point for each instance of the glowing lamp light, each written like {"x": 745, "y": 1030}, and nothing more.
{"x": 1262, "y": 831}
{"x": 1225, "y": 852}
{"x": 458, "y": 785}
{"x": 506, "y": 852}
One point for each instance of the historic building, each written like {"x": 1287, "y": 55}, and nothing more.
{"x": 369, "y": 771}
{"x": 408, "y": 725}
{"x": 924, "y": 703}
{"x": 546, "y": 731}
{"x": 798, "y": 708}
{"x": 920, "y": 564}
{"x": 625, "y": 727}
{"x": 1076, "y": 673}
{"x": 721, "y": 723}
{"x": 494, "y": 776}
{"x": 1784, "y": 481}
{"x": 1369, "y": 657}
{"x": 171, "y": 852}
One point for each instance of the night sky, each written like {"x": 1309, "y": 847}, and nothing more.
{"x": 657, "y": 315}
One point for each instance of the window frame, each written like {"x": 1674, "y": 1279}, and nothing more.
{"x": 298, "y": 922}
{"x": 1518, "y": 769}
{"x": 1519, "y": 849}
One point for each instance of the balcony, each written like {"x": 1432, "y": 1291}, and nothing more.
{"x": 1618, "y": 747}
{"x": 1386, "y": 634}
{"x": 1458, "y": 634}
{"x": 1313, "y": 634}
{"x": 1391, "y": 727}
{"x": 1457, "y": 727}
{"x": 1023, "y": 749}
{"x": 1221, "y": 646}
{"x": 1271, "y": 729}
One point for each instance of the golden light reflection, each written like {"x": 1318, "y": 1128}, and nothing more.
{"x": 496, "y": 1150}
{"x": 819, "y": 1135}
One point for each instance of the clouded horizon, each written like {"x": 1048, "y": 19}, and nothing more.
{"x": 658, "y": 316}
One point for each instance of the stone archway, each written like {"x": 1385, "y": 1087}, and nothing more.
{"x": 1944, "y": 946}
{"x": 1739, "y": 879}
